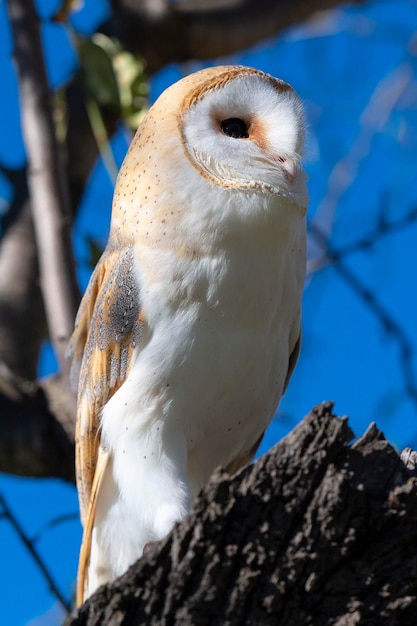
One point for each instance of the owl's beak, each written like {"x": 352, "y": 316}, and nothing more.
{"x": 290, "y": 167}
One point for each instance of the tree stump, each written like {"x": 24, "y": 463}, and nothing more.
{"x": 316, "y": 531}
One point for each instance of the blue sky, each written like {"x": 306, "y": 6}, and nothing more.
{"x": 355, "y": 70}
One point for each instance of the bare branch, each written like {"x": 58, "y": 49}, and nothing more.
{"x": 36, "y": 420}
{"x": 81, "y": 145}
{"x": 383, "y": 229}
{"x": 50, "y": 210}
{"x": 30, "y": 547}
{"x": 36, "y": 428}
{"x": 164, "y": 31}
{"x": 22, "y": 320}
{"x": 384, "y": 317}
{"x": 373, "y": 119}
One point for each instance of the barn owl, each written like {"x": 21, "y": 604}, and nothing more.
{"x": 190, "y": 327}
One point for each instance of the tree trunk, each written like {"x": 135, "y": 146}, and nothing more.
{"x": 315, "y": 532}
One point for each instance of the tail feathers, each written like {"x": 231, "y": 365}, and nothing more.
{"x": 86, "y": 545}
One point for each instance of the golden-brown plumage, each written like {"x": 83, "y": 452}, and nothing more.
{"x": 107, "y": 329}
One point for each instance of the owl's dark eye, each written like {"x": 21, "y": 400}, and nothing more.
{"x": 234, "y": 127}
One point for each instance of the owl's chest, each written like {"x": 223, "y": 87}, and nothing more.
{"x": 246, "y": 282}
{"x": 213, "y": 357}
{"x": 218, "y": 346}
{"x": 222, "y": 318}
{"x": 220, "y": 295}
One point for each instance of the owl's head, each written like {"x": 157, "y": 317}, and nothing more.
{"x": 242, "y": 128}
{"x": 223, "y": 129}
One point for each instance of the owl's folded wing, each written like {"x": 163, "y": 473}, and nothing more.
{"x": 108, "y": 328}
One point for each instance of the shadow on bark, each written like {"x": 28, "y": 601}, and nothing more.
{"x": 316, "y": 532}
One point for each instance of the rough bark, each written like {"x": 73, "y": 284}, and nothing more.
{"x": 315, "y": 532}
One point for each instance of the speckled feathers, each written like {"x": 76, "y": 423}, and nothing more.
{"x": 190, "y": 327}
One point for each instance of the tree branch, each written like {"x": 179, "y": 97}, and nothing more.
{"x": 36, "y": 428}
{"x": 388, "y": 322}
{"x": 37, "y": 558}
{"x": 163, "y": 32}
{"x": 49, "y": 199}
{"x": 37, "y": 420}
{"x": 315, "y": 532}
{"x": 22, "y": 320}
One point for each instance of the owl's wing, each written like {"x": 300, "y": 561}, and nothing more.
{"x": 85, "y": 551}
{"x": 295, "y": 345}
{"x": 107, "y": 329}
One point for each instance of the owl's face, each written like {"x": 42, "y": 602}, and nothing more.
{"x": 223, "y": 137}
{"x": 246, "y": 132}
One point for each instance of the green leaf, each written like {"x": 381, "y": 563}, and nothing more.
{"x": 99, "y": 75}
